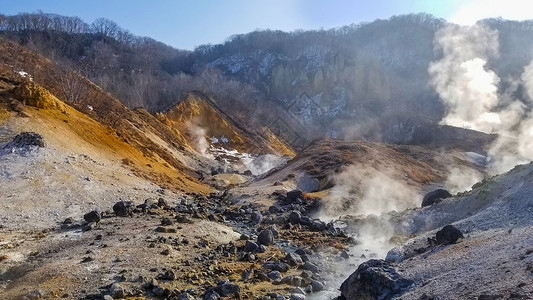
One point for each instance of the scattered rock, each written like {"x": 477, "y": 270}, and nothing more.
{"x": 374, "y": 279}
{"x": 116, "y": 290}
{"x": 293, "y": 259}
{"x": 274, "y": 275}
{"x": 295, "y": 217}
{"x": 256, "y": 217}
{"x": 93, "y": 216}
{"x": 395, "y": 255}
{"x": 266, "y": 237}
{"x": 123, "y": 208}
{"x": 227, "y": 289}
{"x": 250, "y": 246}
{"x": 276, "y": 266}
{"x": 293, "y": 195}
{"x": 317, "y": 286}
{"x": 166, "y": 222}
{"x": 449, "y": 234}
{"x": 26, "y": 139}
{"x": 166, "y": 229}
{"x": 296, "y": 296}
{"x": 310, "y": 267}
{"x": 435, "y": 197}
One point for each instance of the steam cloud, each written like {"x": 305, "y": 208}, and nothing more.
{"x": 470, "y": 92}
{"x": 365, "y": 191}
{"x": 200, "y": 142}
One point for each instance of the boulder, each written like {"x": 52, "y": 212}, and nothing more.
{"x": 435, "y": 197}
{"x": 92, "y": 216}
{"x": 26, "y": 139}
{"x": 449, "y": 234}
{"x": 123, "y": 208}
{"x": 250, "y": 246}
{"x": 374, "y": 279}
{"x": 293, "y": 195}
{"x": 266, "y": 237}
{"x": 293, "y": 259}
{"x": 276, "y": 266}
{"x": 227, "y": 289}
{"x": 295, "y": 217}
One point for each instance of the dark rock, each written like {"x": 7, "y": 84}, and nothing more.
{"x": 435, "y": 197}
{"x": 166, "y": 222}
{"x": 295, "y": 217}
{"x": 306, "y": 274}
{"x": 317, "y": 285}
{"x": 296, "y": 296}
{"x": 293, "y": 259}
{"x": 123, "y": 208}
{"x": 276, "y": 266}
{"x": 266, "y": 237}
{"x": 68, "y": 221}
{"x": 227, "y": 289}
{"x": 26, "y": 139}
{"x": 162, "y": 203}
{"x": 168, "y": 275}
{"x": 449, "y": 234}
{"x": 302, "y": 254}
{"x": 374, "y": 279}
{"x": 250, "y": 246}
{"x": 287, "y": 280}
{"x": 256, "y": 217}
{"x": 93, "y": 216}
{"x": 274, "y": 275}
{"x": 293, "y": 195}
{"x": 274, "y": 230}
{"x": 317, "y": 225}
{"x": 345, "y": 255}
{"x": 310, "y": 267}
{"x": 274, "y": 209}
{"x": 244, "y": 237}
{"x": 185, "y": 296}
{"x": 247, "y": 173}
{"x": 166, "y": 229}
{"x": 116, "y": 291}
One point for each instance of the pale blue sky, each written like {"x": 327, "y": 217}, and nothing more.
{"x": 186, "y": 24}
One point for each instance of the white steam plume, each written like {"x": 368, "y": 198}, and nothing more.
{"x": 200, "y": 142}
{"x": 468, "y": 90}
{"x": 470, "y": 93}
{"x": 365, "y": 191}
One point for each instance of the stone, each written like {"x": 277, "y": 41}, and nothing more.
{"x": 435, "y": 197}
{"x": 296, "y": 296}
{"x": 266, "y": 237}
{"x": 317, "y": 225}
{"x": 276, "y": 266}
{"x": 310, "y": 267}
{"x": 123, "y": 208}
{"x": 26, "y": 139}
{"x": 449, "y": 234}
{"x": 317, "y": 286}
{"x": 293, "y": 195}
{"x": 295, "y": 217}
{"x": 168, "y": 275}
{"x": 274, "y": 275}
{"x": 185, "y": 296}
{"x": 162, "y": 203}
{"x": 92, "y": 216}
{"x": 395, "y": 255}
{"x": 117, "y": 291}
{"x": 166, "y": 222}
{"x": 344, "y": 255}
{"x": 274, "y": 230}
{"x": 250, "y": 246}
{"x": 274, "y": 209}
{"x": 293, "y": 259}
{"x": 227, "y": 289}
{"x": 374, "y": 279}
{"x": 256, "y": 217}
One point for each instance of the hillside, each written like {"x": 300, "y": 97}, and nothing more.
{"x": 365, "y": 81}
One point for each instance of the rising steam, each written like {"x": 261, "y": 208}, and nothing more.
{"x": 365, "y": 191}
{"x": 470, "y": 92}
{"x": 199, "y": 140}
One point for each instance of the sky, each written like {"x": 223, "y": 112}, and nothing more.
{"x": 185, "y": 24}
